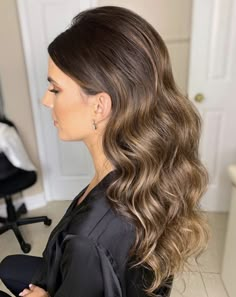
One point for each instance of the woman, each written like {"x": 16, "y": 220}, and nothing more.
{"x": 137, "y": 223}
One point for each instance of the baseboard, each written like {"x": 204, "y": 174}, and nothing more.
{"x": 31, "y": 202}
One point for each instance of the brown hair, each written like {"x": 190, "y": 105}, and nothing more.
{"x": 152, "y": 137}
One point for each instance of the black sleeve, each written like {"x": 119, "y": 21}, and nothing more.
{"x": 81, "y": 269}
{"x": 40, "y": 276}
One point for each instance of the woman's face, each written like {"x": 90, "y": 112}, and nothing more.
{"x": 71, "y": 108}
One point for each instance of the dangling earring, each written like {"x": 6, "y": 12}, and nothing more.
{"x": 94, "y": 125}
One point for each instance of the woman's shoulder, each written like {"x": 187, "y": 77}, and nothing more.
{"x": 115, "y": 230}
{"x": 97, "y": 219}
{"x": 100, "y": 223}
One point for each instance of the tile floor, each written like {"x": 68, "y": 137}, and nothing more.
{"x": 202, "y": 281}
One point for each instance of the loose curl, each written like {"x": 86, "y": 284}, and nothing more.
{"x": 152, "y": 137}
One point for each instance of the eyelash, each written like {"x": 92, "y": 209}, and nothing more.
{"x": 54, "y": 91}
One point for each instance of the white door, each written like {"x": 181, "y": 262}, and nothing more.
{"x": 213, "y": 74}
{"x": 67, "y": 166}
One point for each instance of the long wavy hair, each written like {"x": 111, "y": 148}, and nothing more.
{"x": 152, "y": 137}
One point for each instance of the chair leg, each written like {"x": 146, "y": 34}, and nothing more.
{"x": 4, "y": 228}
{"x": 27, "y": 221}
{"x": 24, "y": 246}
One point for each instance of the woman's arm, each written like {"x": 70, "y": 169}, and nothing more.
{"x": 81, "y": 269}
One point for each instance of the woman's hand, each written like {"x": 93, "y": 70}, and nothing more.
{"x": 34, "y": 291}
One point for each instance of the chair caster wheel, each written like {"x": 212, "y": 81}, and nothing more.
{"x": 26, "y": 248}
{"x": 48, "y": 222}
{"x": 23, "y": 209}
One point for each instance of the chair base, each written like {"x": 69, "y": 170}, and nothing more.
{"x": 13, "y": 221}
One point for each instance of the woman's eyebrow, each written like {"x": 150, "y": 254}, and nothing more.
{"x": 52, "y": 80}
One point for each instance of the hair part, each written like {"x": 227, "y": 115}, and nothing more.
{"x": 152, "y": 137}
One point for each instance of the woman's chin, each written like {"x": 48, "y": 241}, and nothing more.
{"x": 64, "y": 137}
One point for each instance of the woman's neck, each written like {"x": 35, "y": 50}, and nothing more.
{"x": 101, "y": 164}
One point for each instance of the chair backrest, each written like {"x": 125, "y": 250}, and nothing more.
{"x": 6, "y": 167}
{"x": 6, "y": 121}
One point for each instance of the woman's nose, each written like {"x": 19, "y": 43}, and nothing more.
{"x": 47, "y": 100}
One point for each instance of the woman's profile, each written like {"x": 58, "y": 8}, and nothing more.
{"x": 134, "y": 227}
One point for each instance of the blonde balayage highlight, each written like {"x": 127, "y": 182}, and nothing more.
{"x": 152, "y": 137}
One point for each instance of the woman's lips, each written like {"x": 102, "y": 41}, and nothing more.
{"x": 55, "y": 122}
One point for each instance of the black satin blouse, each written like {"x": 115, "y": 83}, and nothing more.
{"x": 86, "y": 253}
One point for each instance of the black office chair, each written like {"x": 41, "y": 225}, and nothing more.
{"x": 14, "y": 180}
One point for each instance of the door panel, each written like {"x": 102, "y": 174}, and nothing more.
{"x": 212, "y": 73}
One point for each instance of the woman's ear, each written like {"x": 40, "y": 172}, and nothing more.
{"x": 102, "y": 106}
